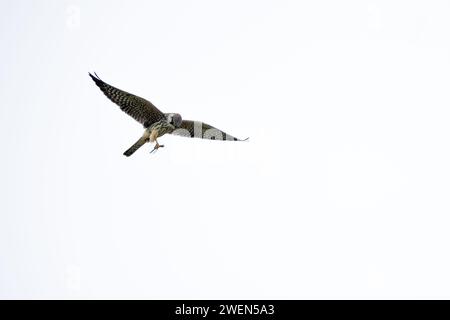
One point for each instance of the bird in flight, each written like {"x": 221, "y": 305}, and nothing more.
{"x": 155, "y": 122}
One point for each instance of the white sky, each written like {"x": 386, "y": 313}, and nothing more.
{"x": 341, "y": 192}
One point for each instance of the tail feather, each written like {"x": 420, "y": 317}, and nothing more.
{"x": 135, "y": 146}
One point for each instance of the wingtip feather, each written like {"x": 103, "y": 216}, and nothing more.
{"x": 96, "y": 79}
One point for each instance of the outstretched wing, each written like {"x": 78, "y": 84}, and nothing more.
{"x": 140, "y": 109}
{"x": 198, "y": 129}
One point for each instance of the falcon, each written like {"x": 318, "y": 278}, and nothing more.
{"x": 155, "y": 122}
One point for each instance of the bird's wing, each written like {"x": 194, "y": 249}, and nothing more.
{"x": 140, "y": 109}
{"x": 198, "y": 129}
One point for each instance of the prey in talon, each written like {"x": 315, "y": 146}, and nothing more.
{"x": 156, "y": 123}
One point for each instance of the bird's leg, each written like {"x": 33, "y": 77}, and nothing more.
{"x": 157, "y": 146}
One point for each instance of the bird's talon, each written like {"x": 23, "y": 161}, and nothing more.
{"x": 156, "y": 147}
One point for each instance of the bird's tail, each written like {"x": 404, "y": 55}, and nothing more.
{"x": 136, "y": 146}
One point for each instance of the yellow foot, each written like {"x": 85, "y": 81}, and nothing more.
{"x": 157, "y": 146}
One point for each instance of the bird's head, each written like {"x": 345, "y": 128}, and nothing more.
{"x": 174, "y": 119}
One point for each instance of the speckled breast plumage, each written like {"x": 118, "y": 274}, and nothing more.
{"x": 160, "y": 128}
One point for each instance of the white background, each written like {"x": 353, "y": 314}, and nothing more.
{"x": 341, "y": 192}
